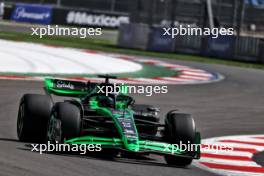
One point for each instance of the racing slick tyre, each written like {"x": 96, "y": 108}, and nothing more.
{"x": 33, "y": 115}
{"x": 179, "y": 127}
{"x": 152, "y": 117}
{"x": 70, "y": 118}
{"x": 65, "y": 123}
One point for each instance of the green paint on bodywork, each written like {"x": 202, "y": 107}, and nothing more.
{"x": 50, "y": 87}
{"x": 130, "y": 142}
{"x": 118, "y": 113}
{"x": 141, "y": 146}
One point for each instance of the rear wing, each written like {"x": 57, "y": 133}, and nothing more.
{"x": 62, "y": 87}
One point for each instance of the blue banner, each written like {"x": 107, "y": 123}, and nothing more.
{"x": 32, "y": 13}
{"x": 160, "y": 42}
{"x": 255, "y": 2}
{"x": 222, "y": 47}
{"x": 126, "y": 32}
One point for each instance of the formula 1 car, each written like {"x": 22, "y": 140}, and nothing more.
{"x": 114, "y": 121}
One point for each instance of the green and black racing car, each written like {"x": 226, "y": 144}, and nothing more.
{"x": 115, "y": 122}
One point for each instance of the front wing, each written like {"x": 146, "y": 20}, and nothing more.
{"x": 142, "y": 146}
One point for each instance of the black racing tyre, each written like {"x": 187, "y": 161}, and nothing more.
{"x": 179, "y": 127}
{"x": 33, "y": 115}
{"x": 70, "y": 116}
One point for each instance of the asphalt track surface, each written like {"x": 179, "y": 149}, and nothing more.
{"x": 230, "y": 107}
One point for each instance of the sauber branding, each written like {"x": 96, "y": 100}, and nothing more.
{"x": 62, "y": 84}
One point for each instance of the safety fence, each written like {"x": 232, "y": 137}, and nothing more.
{"x": 139, "y": 36}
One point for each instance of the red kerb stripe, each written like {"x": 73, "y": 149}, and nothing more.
{"x": 235, "y": 168}
{"x": 227, "y": 157}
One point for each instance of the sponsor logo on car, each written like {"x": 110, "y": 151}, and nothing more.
{"x": 61, "y": 84}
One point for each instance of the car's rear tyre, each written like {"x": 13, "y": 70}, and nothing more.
{"x": 33, "y": 115}
{"x": 179, "y": 127}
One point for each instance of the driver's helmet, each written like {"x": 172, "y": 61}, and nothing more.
{"x": 106, "y": 101}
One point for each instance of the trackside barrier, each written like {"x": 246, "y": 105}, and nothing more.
{"x": 158, "y": 42}
{"x": 188, "y": 44}
{"x": 221, "y": 47}
{"x": 261, "y": 51}
{"x": 133, "y": 36}
{"x": 7, "y": 12}
{"x": 224, "y": 47}
{"x": 140, "y": 36}
{"x": 125, "y": 36}
{"x": 247, "y": 49}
